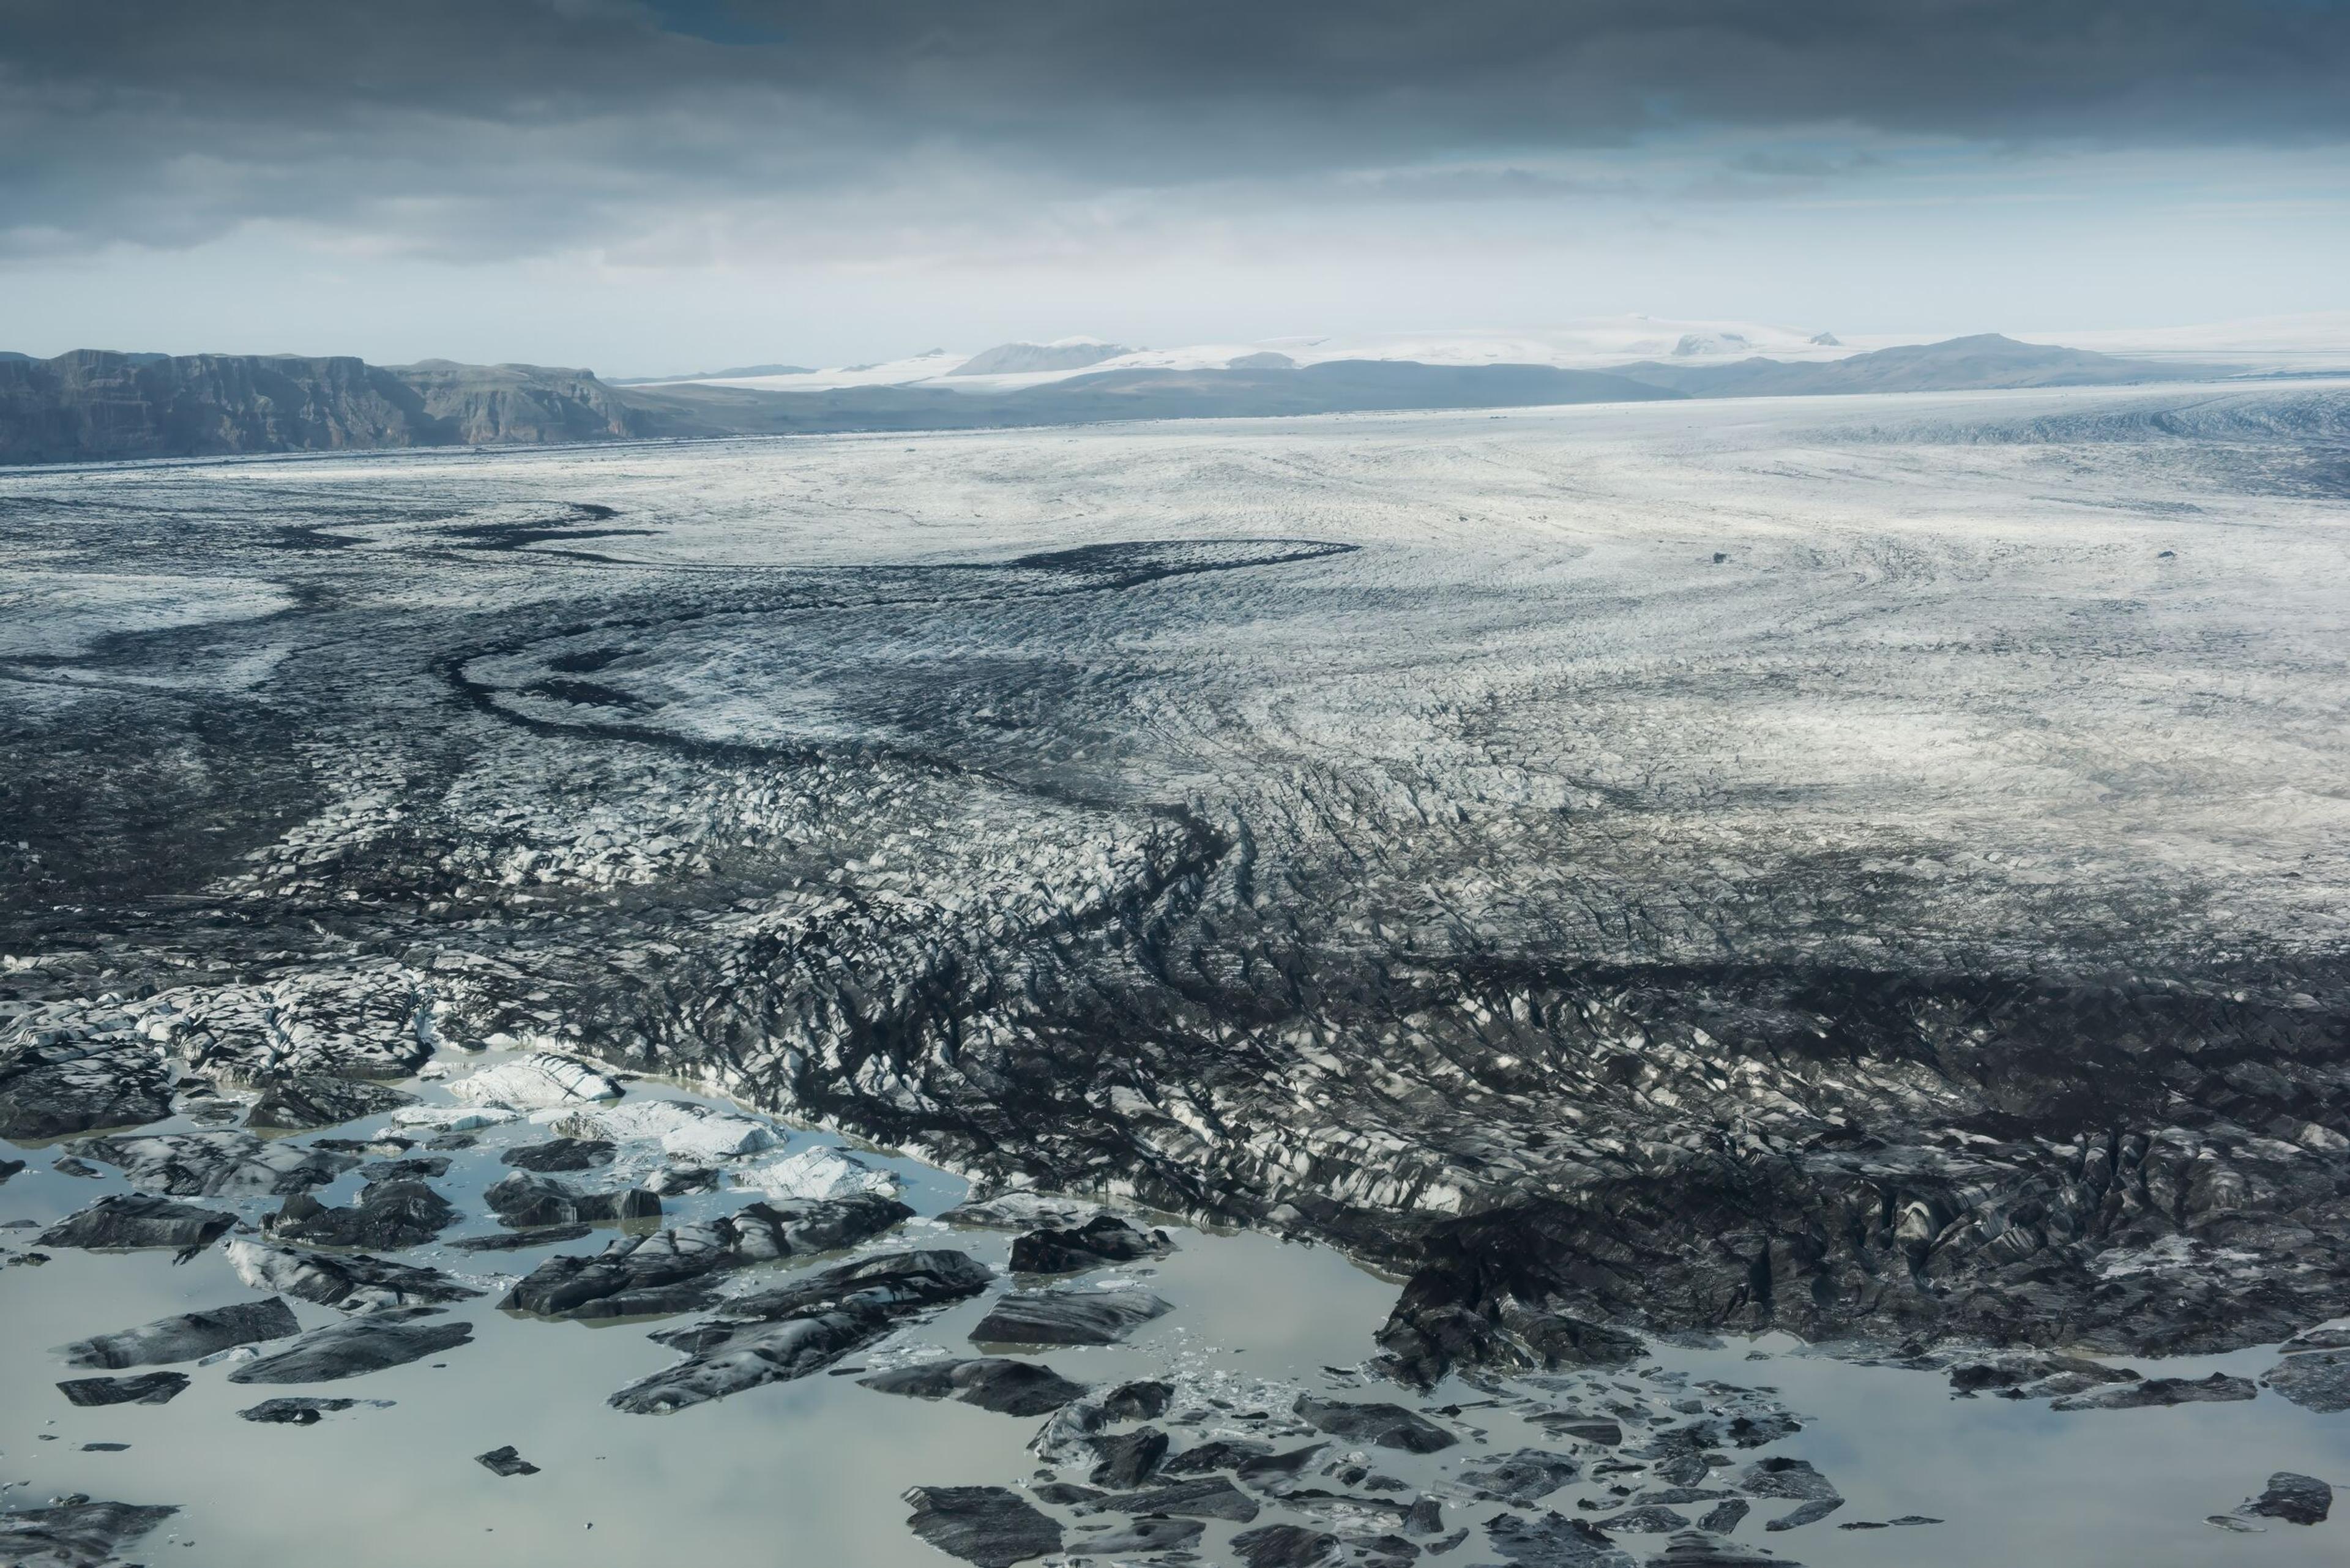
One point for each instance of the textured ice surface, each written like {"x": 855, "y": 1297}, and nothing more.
{"x": 1861, "y": 868}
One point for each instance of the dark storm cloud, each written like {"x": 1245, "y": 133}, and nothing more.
{"x": 514, "y": 125}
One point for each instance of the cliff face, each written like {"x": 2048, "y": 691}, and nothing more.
{"x": 91, "y": 405}
{"x": 501, "y": 404}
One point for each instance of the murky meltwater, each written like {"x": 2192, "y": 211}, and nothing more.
{"x": 810, "y": 1472}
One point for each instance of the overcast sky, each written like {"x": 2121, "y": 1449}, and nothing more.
{"x": 653, "y": 185}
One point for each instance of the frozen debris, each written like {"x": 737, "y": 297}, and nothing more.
{"x": 1278, "y": 1474}
{"x": 1066, "y": 1317}
{"x": 136, "y": 1220}
{"x": 1524, "y": 1477}
{"x": 1206, "y": 1497}
{"x": 559, "y": 1155}
{"x": 2333, "y": 1336}
{"x": 1701, "y": 1548}
{"x": 992, "y": 1383}
{"x": 506, "y": 1461}
{"x": 75, "y": 1534}
{"x": 981, "y": 1524}
{"x": 2035, "y": 1377}
{"x": 1781, "y": 1477}
{"x": 528, "y": 1201}
{"x": 820, "y": 1171}
{"x": 1552, "y": 1541}
{"x": 216, "y": 1164}
{"x": 392, "y": 1336}
{"x": 1143, "y": 1399}
{"x": 1216, "y": 1454}
{"x": 1385, "y": 1425}
{"x": 2217, "y": 1389}
{"x": 2295, "y": 1499}
{"x": 1804, "y": 1513}
{"x": 184, "y": 1338}
{"x": 517, "y": 1241}
{"x": 147, "y": 1388}
{"x": 673, "y": 1270}
{"x": 1143, "y": 1535}
{"x": 1653, "y": 1519}
{"x": 303, "y": 1410}
{"x": 1724, "y": 1517}
{"x": 800, "y": 1328}
{"x": 685, "y": 1131}
{"x": 680, "y": 1180}
{"x": 1127, "y": 1460}
{"x": 1286, "y": 1546}
{"x": 352, "y": 1281}
{"x": 2319, "y": 1380}
{"x": 1018, "y": 1211}
{"x": 389, "y": 1216}
{"x": 452, "y": 1118}
{"x": 56, "y": 1090}
{"x": 1105, "y": 1239}
{"x": 413, "y": 1167}
{"x": 537, "y": 1082}
{"x": 311, "y": 1101}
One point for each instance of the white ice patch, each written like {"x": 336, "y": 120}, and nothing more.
{"x": 451, "y": 1118}
{"x": 535, "y": 1081}
{"x": 817, "y": 1173}
{"x": 686, "y": 1131}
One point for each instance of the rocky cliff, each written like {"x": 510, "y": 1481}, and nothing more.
{"x": 91, "y": 405}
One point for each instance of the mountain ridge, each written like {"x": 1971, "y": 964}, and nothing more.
{"x": 94, "y": 405}
{"x": 98, "y": 405}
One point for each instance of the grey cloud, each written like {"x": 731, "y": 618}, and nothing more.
{"x": 505, "y": 126}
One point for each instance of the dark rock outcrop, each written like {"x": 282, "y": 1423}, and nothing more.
{"x": 186, "y": 1336}
{"x": 313, "y": 1100}
{"x": 2217, "y": 1389}
{"x": 392, "y": 1336}
{"x": 671, "y": 1270}
{"x": 992, "y": 1383}
{"x": 1286, "y": 1546}
{"x": 1553, "y": 1541}
{"x": 1065, "y": 1250}
{"x": 301, "y": 1409}
{"x": 983, "y": 1524}
{"x": 389, "y": 1216}
{"x": 1143, "y": 1535}
{"x": 54, "y": 1090}
{"x": 1524, "y": 1477}
{"x": 135, "y": 1220}
{"x": 149, "y": 1388}
{"x": 1066, "y": 1317}
{"x": 76, "y": 1534}
{"x": 561, "y": 1154}
{"x": 802, "y": 1327}
{"x": 2318, "y": 1381}
{"x": 2295, "y": 1499}
{"x": 1385, "y": 1425}
{"x": 530, "y": 1202}
{"x": 1127, "y": 1459}
{"x": 350, "y": 1280}
{"x": 1209, "y": 1496}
